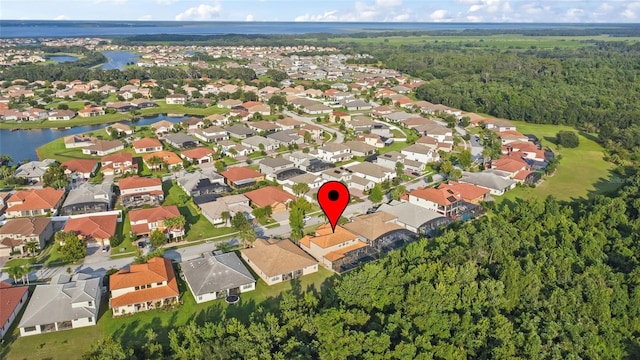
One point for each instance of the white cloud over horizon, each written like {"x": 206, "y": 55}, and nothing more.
{"x": 329, "y": 10}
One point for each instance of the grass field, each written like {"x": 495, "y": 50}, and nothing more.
{"x": 130, "y": 329}
{"x": 56, "y": 150}
{"x": 582, "y": 171}
{"x": 507, "y": 41}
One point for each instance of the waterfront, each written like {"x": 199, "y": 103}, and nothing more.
{"x": 63, "y": 59}
{"x": 22, "y": 144}
{"x": 118, "y": 59}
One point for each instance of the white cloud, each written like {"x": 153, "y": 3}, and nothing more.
{"x": 165, "y": 2}
{"x": 145, "y": 18}
{"x": 327, "y": 16}
{"x": 114, "y": 2}
{"x": 440, "y": 15}
{"x": 364, "y": 10}
{"x": 200, "y": 12}
{"x": 249, "y": 18}
{"x": 388, "y": 3}
{"x": 61, "y": 17}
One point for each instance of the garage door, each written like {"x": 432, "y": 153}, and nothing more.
{"x": 93, "y": 244}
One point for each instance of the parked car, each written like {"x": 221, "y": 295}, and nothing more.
{"x": 306, "y": 218}
{"x": 141, "y": 244}
{"x": 105, "y": 249}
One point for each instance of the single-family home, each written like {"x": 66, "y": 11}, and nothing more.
{"x": 137, "y": 191}
{"x": 33, "y": 170}
{"x": 496, "y": 184}
{"x": 276, "y": 261}
{"x": 254, "y": 143}
{"x": 415, "y": 218}
{"x": 143, "y": 103}
{"x": 379, "y": 229}
{"x": 160, "y": 159}
{"x": 103, "y": 147}
{"x": 80, "y": 168}
{"x": 16, "y": 233}
{"x": 146, "y": 221}
{"x": 334, "y": 152}
{"x": 470, "y": 193}
{"x": 445, "y": 201}
{"x": 199, "y": 155}
{"x": 420, "y": 153}
{"x": 271, "y": 165}
{"x": 146, "y": 145}
{"x": 333, "y": 248}
{"x": 211, "y": 134}
{"x": 91, "y": 111}
{"x": 288, "y": 123}
{"x": 372, "y": 172}
{"x": 118, "y": 164}
{"x": 272, "y": 196}
{"x": 76, "y": 141}
{"x": 263, "y": 126}
{"x": 176, "y": 99}
{"x": 192, "y": 123}
{"x": 241, "y": 176}
{"x": 88, "y": 198}
{"x": 216, "y": 276}
{"x": 34, "y": 202}
{"x": 142, "y": 287}
{"x": 232, "y": 204}
{"x": 180, "y": 140}
{"x": 61, "y": 115}
{"x": 162, "y": 127}
{"x": 12, "y": 300}
{"x": 67, "y": 302}
{"x": 95, "y": 231}
{"x": 239, "y": 131}
{"x": 120, "y": 128}
{"x": 229, "y": 103}
{"x": 203, "y": 186}
{"x": 359, "y": 148}
{"x": 286, "y": 137}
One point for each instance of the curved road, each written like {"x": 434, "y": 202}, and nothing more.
{"x": 338, "y": 135}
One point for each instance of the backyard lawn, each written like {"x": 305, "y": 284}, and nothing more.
{"x": 130, "y": 329}
{"x": 581, "y": 172}
{"x": 56, "y": 150}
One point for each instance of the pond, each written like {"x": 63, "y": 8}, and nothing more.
{"x": 22, "y": 144}
{"x": 118, "y": 59}
{"x": 63, "y": 59}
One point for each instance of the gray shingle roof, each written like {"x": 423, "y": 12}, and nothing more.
{"x": 86, "y": 193}
{"x": 214, "y": 273}
{"x": 53, "y": 303}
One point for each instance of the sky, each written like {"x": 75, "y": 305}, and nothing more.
{"x": 578, "y": 11}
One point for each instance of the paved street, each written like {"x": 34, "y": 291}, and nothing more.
{"x": 308, "y": 120}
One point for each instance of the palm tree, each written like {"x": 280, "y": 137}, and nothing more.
{"x": 153, "y": 162}
{"x": 26, "y": 269}
{"x": 14, "y": 271}
{"x": 175, "y": 223}
{"x": 31, "y": 247}
{"x": 226, "y": 216}
{"x": 248, "y": 236}
{"x": 5, "y": 159}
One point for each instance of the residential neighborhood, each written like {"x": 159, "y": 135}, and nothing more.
{"x": 232, "y": 168}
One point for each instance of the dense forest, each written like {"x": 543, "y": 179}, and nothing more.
{"x": 535, "y": 280}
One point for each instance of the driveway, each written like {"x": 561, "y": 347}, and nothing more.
{"x": 95, "y": 255}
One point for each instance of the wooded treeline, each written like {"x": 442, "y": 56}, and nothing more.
{"x": 536, "y": 280}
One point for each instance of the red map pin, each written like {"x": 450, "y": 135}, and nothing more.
{"x": 333, "y": 197}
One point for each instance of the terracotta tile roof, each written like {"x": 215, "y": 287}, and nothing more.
{"x": 45, "y": 198}
{"x": 372, "y": 226}
{"x": 325, "y": 238}
{"x": 240, "y": 173}
{"x": 24, "y": 226}
{"x": 197, "y": 153}
{"x": 270, "y": 195}
{"x": 136, "y": 182}
{"x": 250, "y": 104}
{"x": 9, "y": 300}
{"x": 166, "y": 156}
{"x": 97, "y": 227}
{"x": 154, "y": 214}
{"x": 522, "y": 175}
{"x": 154, "y": 271}
{"x": 339, "y": 254}
{"x": 278, "y": 257}
{"x": 80, "y": 165}
{"x": 468, "y": 191}
{"x": 146, "y": 143}
{"x": 509, "y": 164}
{"x": 117, "y": 158}
{"x": 439, "y": 196}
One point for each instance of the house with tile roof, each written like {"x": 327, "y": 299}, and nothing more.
{"x": 103, "y": 147}
{"x": 120, "y": 128}
{"x": 333, "y": 249}
{"x": 93, "y": 230}
{"x": 276, "y": 261}
{"x": 272, "y": 196}
{"x": 118, "y": 164}
{"x": 168, "y": 159}
{"x": 162, "y": 127}
{"x": 34, "y": 202}
{"x": 233, "y": 204}
{"x": 12, "y": 299}
{"x": 16, "y": 233}
{"x": 199, "y": 155}
{"x": 445, "y": 201}
{"x": 377, "y": 227}
{"x": 63, "y": 304}
{"x": 147, "y": 145}
{"x": 80, "y": 168}
{"x": 137, "y": 191}
{"x": 146, "y": 221}
{"x": 76, "y": 141}
{"x": 212, "y": 276}
{"x": 142, "y": 287}
{"x": 470, "y": 193}
{"x": 241, "y": 176}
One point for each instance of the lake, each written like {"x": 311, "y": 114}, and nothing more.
{"x": 118, "y": 59}
{"x": 63, "y": 59}
{"x": 22, "y": 144}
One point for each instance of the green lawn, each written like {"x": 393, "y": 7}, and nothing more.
{"x": 396, "y": 146}
{"x": 180, "y": 109}
{"x": 56, "y": 150}
{"x": 581, "y": 172}
{"x": 130, "y": 329}
{"x": 19, "y": 262}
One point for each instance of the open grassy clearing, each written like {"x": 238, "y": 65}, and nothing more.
{"x": 582, "y": 171}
